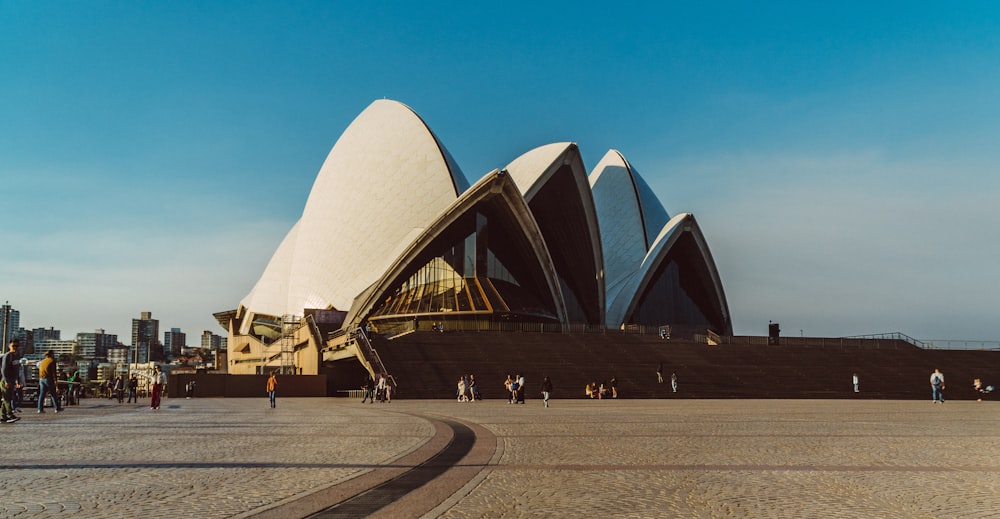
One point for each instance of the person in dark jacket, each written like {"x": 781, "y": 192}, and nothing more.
{"x": 11, "y": 380}
{"x": 546, "y": 391}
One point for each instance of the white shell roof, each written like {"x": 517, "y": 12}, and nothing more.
{"x": 271, "y": 291}
{"x": 627, "y": 216}
{"x": 385, "y": 179}
{"x": 503, "y": 190}
{"x": 625, "y": 296}
{"x": 636, "y": 283}
{"x": 527, "y": 169}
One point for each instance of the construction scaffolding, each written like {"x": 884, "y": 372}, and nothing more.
{"x": 290, "y": 325}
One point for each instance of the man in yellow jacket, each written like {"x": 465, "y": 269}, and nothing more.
{"x": 47, "y": 382}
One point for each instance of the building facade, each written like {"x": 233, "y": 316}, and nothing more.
{"x": 59, "y": 347}
{"x": 174, "y": 342}
{"x": 10, "y": 323}
{"x": 538, "y": 242}
{"x": 95, "y": 345}
{"x": 145, "y": 339}
{"x": 211, "y": 341}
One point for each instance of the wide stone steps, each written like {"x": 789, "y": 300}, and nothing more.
{"x": 429, "y": 364}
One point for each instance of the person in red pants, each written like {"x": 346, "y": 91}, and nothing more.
{"x": 159, "y": 381}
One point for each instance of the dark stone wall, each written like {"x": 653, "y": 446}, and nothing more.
{"x": 216, "y": 385}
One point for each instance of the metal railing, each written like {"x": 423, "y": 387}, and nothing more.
{"x": 392, "y": 328}
{"x": 953, "y": 344}
{"x": 893, "y": 336}
{"x": 880, "y": 340}
{"x": 314, "y": 330}
{"x": 935, "y": 344}
{"x": 370, "y": 354}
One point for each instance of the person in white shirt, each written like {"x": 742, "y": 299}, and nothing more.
{"x": 159, "y": 383}
{"x": 937, "y": 386}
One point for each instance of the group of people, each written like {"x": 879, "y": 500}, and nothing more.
{"x": 380, "y": 390}
{"x": 13, "y": 383}
{"x": 467, "y": 390}
{"x": 515, "y": 387}
{"x": 119, "y": 388}
{"x": 659, "y": 377}
{"x": 602, "y": 391}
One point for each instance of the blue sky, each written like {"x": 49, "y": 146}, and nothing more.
{"x": 842, "y": 159}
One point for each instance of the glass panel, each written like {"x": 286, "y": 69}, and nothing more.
{"x": 464, "y": 304}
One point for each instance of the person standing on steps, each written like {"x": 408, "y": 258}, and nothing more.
{"x": 673, "y": 381}
{"x": 857, "y": 382}
{"x": 272, "y": 388}
{"x": 659, "y": 373}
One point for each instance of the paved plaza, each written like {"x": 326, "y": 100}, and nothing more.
{"x": 217, "y": 457}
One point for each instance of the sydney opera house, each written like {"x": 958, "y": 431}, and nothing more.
{"x": 394, "y": 238}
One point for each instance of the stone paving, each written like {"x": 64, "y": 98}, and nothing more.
{"x": 631, "y": 458}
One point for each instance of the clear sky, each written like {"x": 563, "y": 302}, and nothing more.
{"x": 842, "y": 159}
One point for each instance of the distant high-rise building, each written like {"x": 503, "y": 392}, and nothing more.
{"x": 118, "y": 354}
{"x": 210, "y": 341}
{"x": 96, "y": 344}
{"x": 41, "y": 334}
{"x": 10, "y": 321}
{"x": 174, "y": 341}
{"x": 59, "y": 347}
{"x": 27, "y": 339}
{"x": 145, "y": 339}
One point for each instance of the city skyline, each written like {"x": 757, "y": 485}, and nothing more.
{"x": 840, "y": 159}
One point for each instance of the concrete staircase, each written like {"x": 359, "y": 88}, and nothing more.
{"x": 427, "y": 365}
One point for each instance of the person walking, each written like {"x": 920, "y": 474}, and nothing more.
{"x": 937, "y": 386}
{"x": 460, "y": 391}
{"x": 133, "y": 390}
{"x": 11, "y": 381}
{"x": 380, "y": 388}
{"x": 519, "y": 392}
{"x": 546, "y": 390}
{"x": 120, "y": 389}
{"x": 47, "y": 382}
{"x": 659, "y": 373}
{"x": 272, "y": 388}
{"x": 473, "y": 390}
{"x": 159, "y": 382}
{"x": 857, "y": 382}
{"x": 368, "y": 390}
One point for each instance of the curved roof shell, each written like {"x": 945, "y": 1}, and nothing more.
{"x": 495, "y": 193}
{"x": 554, "y": 182}
{"x": 623, "y": 309}
{"x": 389, "y": 196}
{"x": 629, "y": 215}
{"x": 384, "y": 181}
